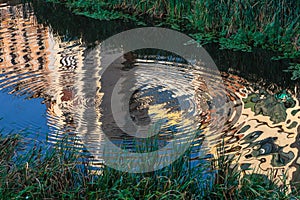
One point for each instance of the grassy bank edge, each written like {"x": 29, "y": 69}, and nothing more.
{"x": 238, "y": 25}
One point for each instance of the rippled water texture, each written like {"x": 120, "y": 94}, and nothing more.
{"x": 51, "y": 88}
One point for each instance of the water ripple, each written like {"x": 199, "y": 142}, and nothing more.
{"x": 260, "y": 123}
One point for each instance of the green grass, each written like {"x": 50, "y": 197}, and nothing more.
{"x": 58, "y": 174}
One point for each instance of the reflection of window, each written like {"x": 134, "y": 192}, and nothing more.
{"x": 68, "y": 63}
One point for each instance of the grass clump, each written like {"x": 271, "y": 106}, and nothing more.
{"x": 58, "y": 174}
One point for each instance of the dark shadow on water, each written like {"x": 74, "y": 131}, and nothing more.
{"x": 253, "y": 66}
{"x": 71, "y": 26}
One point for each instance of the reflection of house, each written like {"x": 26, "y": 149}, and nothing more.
{"x": 35, "y": 63}
{"x": 24, "y": 49}
{"x": 66, "y": 74}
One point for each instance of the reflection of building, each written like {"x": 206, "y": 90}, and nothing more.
{"x": 33, "y": 60}
{"x": 24, "y": 49}
{"x": 67, "y": 65}
{"x": 35, "y": 63}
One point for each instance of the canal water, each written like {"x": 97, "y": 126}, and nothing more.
{"x": 51, "y": 88}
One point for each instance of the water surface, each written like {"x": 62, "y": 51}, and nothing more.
{"x": 50, "y": 88}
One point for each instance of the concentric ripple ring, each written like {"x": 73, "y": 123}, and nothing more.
{"x": 196, "y": 56}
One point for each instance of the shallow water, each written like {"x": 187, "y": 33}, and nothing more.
{"x": 51, "y": 87}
